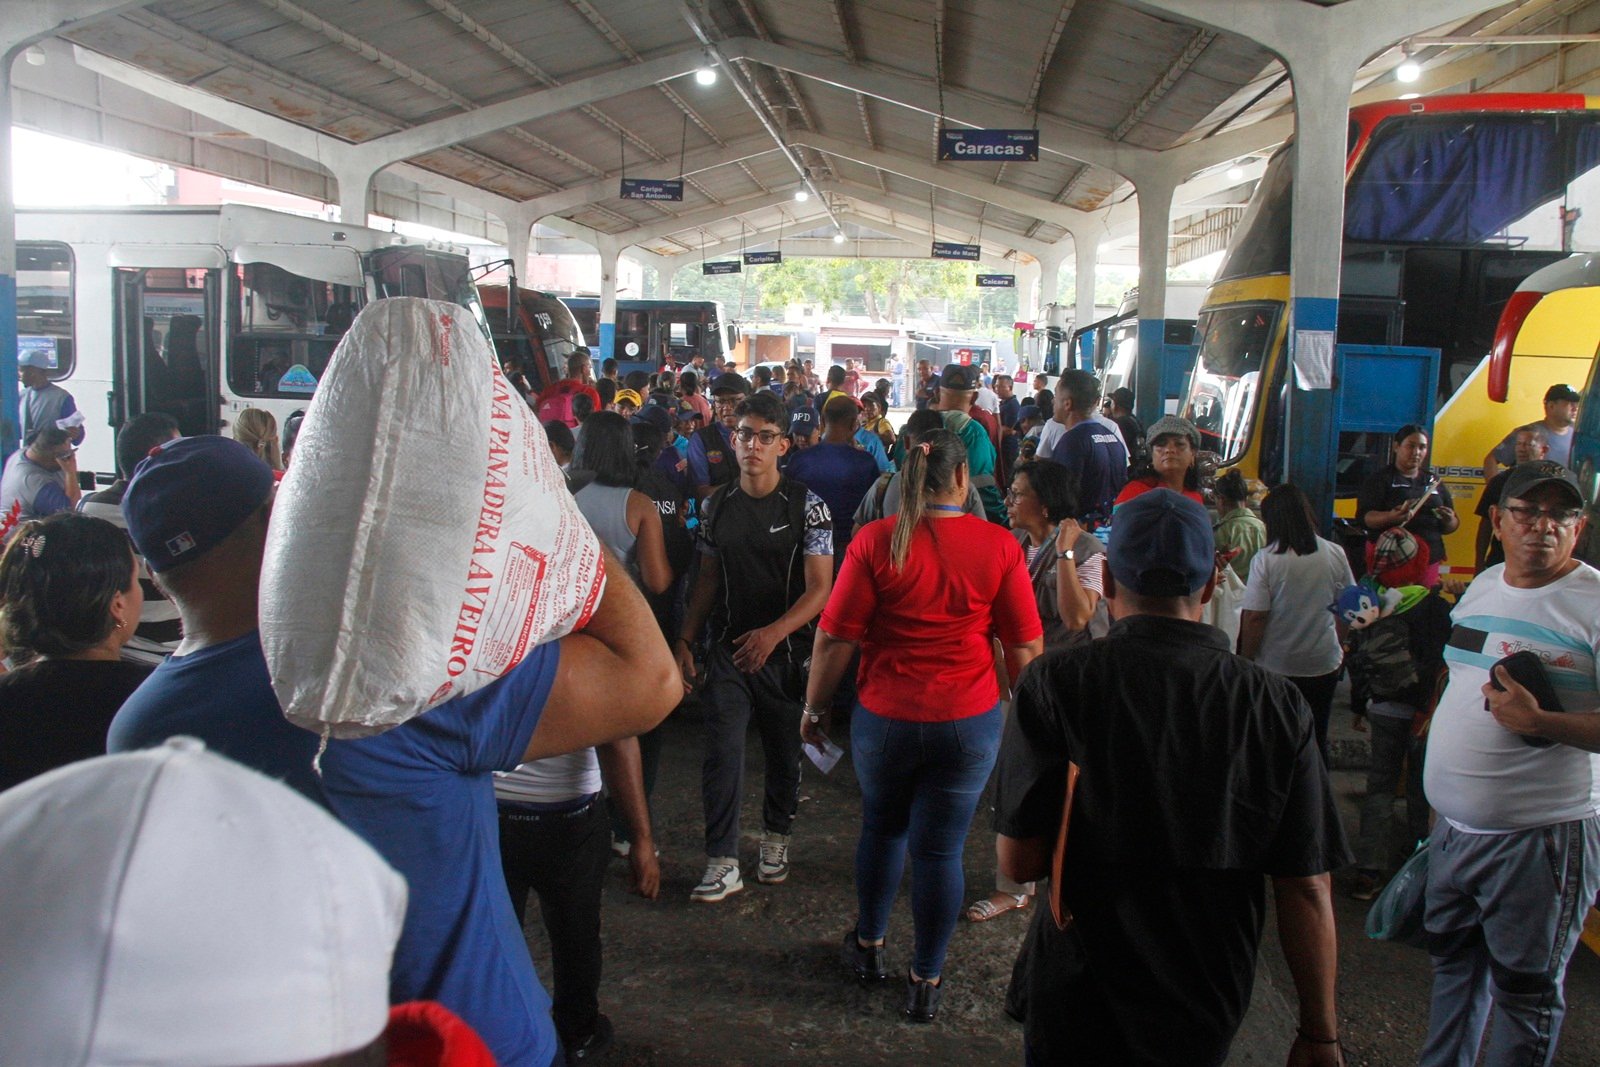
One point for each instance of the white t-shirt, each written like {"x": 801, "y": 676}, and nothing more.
{"x": 1505, "y": 453}
{"x": 1300, "y": 641}
{"x": 988, "y": 400}
{"x": 1481, "y": 776}
{"x": 1051, "y": 435}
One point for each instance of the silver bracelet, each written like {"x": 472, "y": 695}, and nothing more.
{"x": 812, "y": 714}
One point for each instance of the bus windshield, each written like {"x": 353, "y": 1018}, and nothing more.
{"x": 1234, "y": 340}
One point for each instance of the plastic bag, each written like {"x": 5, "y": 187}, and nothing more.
{"x": 1398, "y": 912}
{"x": 423, "y": 540}
{"x": 1227, "y": 600}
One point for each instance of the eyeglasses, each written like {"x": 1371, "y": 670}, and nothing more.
{"x": 766, "y": 437}
{"x": 1527, "y": 516}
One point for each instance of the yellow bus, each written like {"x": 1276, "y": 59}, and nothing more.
{"x": 1450, "y": 203}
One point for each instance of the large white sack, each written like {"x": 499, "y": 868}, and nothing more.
{"x": 424, "y": 539}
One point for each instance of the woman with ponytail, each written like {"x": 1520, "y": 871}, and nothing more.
{"x": 923, "y": 595}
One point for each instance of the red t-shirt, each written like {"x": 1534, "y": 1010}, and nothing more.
{"x": 1140, "y": 486}
{"x": 925, "y": 631}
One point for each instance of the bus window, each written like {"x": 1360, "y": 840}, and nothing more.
{"x": 1261, "y": 243}
{"x": 1233, "y": 346}
{"x": 44, "y": 303}
{"x": 285, "y": 328}
{"x": 166, "y": 345}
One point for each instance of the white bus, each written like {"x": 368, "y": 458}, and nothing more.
{"x": 202, "y": 312}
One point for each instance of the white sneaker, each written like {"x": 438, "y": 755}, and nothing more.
{"x": 720, "y": 880}
{"x": 774, "y": 866}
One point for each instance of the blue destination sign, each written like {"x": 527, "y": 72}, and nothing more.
{"x": 997, "y": 281}
{"x": 721, "y": 266}
{"x": 652, "y": 189}
{"x": 989, "y": 146}
{"x": 951, "y": 250}
{"x": 756, "y": 259}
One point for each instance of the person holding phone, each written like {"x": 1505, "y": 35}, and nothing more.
{"x": 1406, "y": 493}
{"x": 41, "y": 479}
{"x": 1514, "y": 860}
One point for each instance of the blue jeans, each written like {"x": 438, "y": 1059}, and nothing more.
{"x": 920, "y": 784}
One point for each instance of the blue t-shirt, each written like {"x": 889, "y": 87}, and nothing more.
{"x": 1097, "y": 457}
{"x": 422, "y": 794}
{"x": 1010, "y": 411}
{"x": 700, "y": 460}
{"x": 873, "y": 446}
{"x": 841, "y": 476}
{"x": 222, "y": 695}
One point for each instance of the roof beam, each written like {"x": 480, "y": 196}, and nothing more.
{"x": 949, "y": 177}
{"x": 1051, "y": 43}
{"x": 703, "y": 159}
{"x": 1192, "y": 51}
{"x": 693, "y": 220}
{"x": 867, "y": 196}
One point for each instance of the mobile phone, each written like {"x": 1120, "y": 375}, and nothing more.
{"x": 1527, "y": 669}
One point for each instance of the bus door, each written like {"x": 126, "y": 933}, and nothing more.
{"x": 167, "y": 333}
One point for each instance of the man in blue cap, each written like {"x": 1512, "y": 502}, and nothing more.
{"x": 1199, "y": 774}
{"x": 422, "y": 793}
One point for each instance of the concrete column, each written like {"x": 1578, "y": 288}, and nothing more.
{"x": 519, "y": 237}
{"x": 1086, "y": 253}
{"x": 1155, "y": 229}
{"x": 1030, "y": 289}
{"x": 355, "y": 188}
{"x": 609, "y": 251}
{"x": 10, "y": 417}
{"x": 668, "y": 275}
{"x": 1049, "y": 282}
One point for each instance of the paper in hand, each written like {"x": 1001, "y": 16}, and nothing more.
{"x": 826, "y": 755}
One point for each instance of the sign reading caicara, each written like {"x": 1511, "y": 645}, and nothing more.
{"x": 755, "y": 259}
{"x": 720, "y": 266}
{"x": 997, "y": 281}
{"x": 951, "y": 250}
{"x": 652, "y": 189}
{"x": 989, "y": 146}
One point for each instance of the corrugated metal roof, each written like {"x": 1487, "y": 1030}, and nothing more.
{"x": 360, "y": 69}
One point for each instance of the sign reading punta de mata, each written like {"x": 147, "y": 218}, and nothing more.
{"x": 952, "y": 250}
{"x": 988, "y": 146}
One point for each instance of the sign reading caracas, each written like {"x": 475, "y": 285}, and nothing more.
{"x": 652, "y": 189}
{"x": 720, "y": 266}
{"x": 951, "y": 250}
{"x": 755, "y": 259}
{"x": 989, "y": 146}
{"x": 997, "y": 281}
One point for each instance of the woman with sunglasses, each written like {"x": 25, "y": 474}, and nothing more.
{"x": 923, "y": 596}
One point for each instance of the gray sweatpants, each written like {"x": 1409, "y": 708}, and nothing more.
{"x": 1504, "y": 915}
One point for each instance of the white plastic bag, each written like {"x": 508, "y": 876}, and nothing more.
{"x": 1226, "y": 603}
{"x": 424, "y": 539}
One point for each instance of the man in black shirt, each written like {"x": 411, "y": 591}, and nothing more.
{"x": 1199, "y": 774}
{"x": 766, "y": 567}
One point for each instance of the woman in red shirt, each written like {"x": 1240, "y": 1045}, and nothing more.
{"x": 923, "y": 595}
{"x": 1174, "y": 446}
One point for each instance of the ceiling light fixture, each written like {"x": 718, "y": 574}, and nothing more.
{"x": 1409, "y": 69}
{"x": 838, "y": 238}
{"x": 34, "y": 55}
{"x": 705, "y": 76}
{"x": 801, "y": 196}
{"x": 1235, "y": 173}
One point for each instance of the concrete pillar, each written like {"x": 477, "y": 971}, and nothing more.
{"x": 519, "y": 237}
{"x": 10, "y": 417}
{"x": 355, "y": 189}
{"x": 1030, "y": 290}
{"x": 1155, "y": 228}
{"x": 1049, "y": 282}
{"x": 1086, "y": 252}
{"x": 609, "y": 251}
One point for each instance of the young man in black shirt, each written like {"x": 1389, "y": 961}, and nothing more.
{"x": 1200, "y": 773}
{"x": 766, "y": 567}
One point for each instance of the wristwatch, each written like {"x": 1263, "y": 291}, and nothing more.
{"x": 1066, "y": 555}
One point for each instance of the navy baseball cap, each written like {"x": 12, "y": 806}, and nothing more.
{"x": 655, "y": 415}
{"x": 803, "y": 421}
{"x": 189, "y": 494}
{"x": 1161, "y": 545}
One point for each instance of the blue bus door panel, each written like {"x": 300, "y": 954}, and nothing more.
{"x": 1177, "y": 363}
{"x": 1379, "y": 388}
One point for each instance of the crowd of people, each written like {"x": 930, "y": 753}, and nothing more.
{"x": 1011, "y": 589}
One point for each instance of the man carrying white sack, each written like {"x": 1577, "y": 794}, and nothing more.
{"x": 422, "y": 793}
{"x": 173, "y": 907}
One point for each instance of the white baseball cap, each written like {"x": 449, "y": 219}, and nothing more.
{"x": 33, "y": 357}
{"x": 171, "y": 906}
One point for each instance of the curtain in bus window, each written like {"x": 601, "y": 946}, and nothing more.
{"x": 1453, "y": 182}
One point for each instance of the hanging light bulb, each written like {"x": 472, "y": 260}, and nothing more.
{"x": 1408, "y": 72}
{"x": 705, "y": 76}
{"x": 801, "y": 196}
{"x": 838, "y": 238}
{"x": 1235, "y": 173}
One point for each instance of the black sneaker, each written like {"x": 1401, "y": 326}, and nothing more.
{"x": 597, "y": 1044}
{"x": 869, "y": 962}
{"x": 922, "y": 999}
